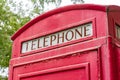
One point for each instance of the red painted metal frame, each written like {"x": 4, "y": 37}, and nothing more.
{"x": 114, "y": 43}
{"x": 98, "y": 54}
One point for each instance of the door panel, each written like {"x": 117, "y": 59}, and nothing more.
{"x": 71, "y": 72}
{"x": 77, "y": 66}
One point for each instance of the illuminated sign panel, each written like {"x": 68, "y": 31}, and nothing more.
{"x": 78, "y": 32}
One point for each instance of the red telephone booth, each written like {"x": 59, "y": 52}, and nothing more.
{"x": 77, "y": 42}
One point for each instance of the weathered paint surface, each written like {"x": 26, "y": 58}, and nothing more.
{"x": 77, "y": 42}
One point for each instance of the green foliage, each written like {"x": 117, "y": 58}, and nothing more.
{"x": 36, "y": 7}
{"x": 9, "y": 23}
{"x": 3, "y": 78}
{"x": 41, "y": 4}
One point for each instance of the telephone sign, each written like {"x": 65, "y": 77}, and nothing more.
{"x": 61, "y": 37}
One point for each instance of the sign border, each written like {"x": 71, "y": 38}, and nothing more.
{"x": 90, "y": 20}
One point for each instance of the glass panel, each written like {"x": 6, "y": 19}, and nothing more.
{"x": 118, "y": 31}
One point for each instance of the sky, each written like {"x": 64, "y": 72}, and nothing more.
{"x": 27, "y": 5}
{"x": 4, "y": 73}
{"x": 100, "y": 2}
{"x": 68, "y": 2}
{"x": 103, "y": 2}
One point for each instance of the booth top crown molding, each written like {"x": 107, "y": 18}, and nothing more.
{"x": 104, "y": 8}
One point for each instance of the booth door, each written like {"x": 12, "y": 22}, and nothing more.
{"x": 82, "y": 66}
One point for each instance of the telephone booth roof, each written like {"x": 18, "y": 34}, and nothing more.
{"x": 108, "y": 8}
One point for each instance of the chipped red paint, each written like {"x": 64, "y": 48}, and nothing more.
{"x": 95, "y": 57}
